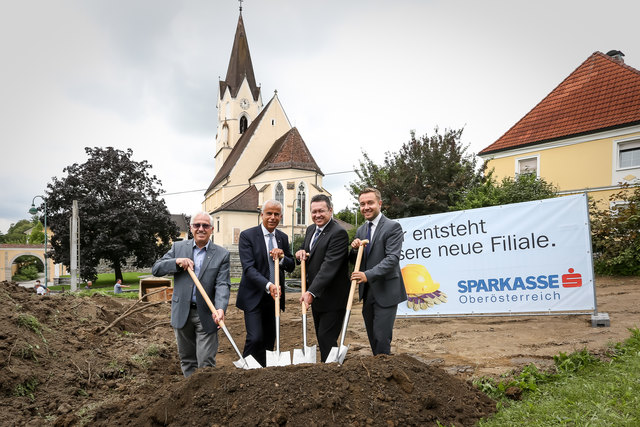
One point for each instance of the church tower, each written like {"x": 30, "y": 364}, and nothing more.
{"x": 240, "y": 100}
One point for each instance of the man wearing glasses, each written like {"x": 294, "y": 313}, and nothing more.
{"x": 194, "y": 325}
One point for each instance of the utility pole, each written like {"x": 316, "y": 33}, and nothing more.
{"x": 74, "y": 246}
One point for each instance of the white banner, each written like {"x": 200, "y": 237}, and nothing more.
{"x": 519, "y": 258}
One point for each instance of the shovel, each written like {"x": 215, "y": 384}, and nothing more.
{"x": 245, "y": 363}
{"x": 338, "y": 354}
{"x": 306, "y": 354}
{"x": 276, "y": 358}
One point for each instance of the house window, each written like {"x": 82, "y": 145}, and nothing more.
{"x": 244, "y": 124}
{"x": 629, "y": 155}
{"x": 302, "y": 201}
{"x": 280, "y": 198}
{"x": 527, "y": 165}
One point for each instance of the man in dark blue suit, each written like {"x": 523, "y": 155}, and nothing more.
{"x": 261, "y": 249}
{"x": 381, "y": 285}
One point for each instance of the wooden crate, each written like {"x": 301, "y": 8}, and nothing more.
{"x": 151, "y": 284}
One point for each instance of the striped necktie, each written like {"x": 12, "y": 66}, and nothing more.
{"x": 272, "y": 266}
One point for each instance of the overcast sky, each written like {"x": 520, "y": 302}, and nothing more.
{"x": 351, "y": 75}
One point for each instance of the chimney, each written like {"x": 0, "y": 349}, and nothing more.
{"x": 616, "y": 55}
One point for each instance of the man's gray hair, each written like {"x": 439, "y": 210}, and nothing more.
{"x": 201, "y": 213}
{"x": 271, "y": 202}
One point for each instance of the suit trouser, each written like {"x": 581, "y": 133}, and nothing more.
{"x": 260, "y": 324}
{"x": 196, "y": 347}
{"x": 379, "y": 322}
{"x": 327, "y": 325}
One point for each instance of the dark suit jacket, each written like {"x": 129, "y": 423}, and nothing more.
{"x": 382, "y": 265}
{"x": 213, "y": 276}
{"x": 328, "y": 267}
{"x": 255, "y": 267}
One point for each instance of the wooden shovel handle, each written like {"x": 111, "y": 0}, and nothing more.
{"x": 276, "y": 273}
{"x": 352, "y": 291}
{"x": 303, "y": 282}
{"x": 205, "y": 296}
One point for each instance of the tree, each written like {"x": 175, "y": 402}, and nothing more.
{"x": 16, "y": 233}
{"x": 424, "y": 177}
{"x": 349, "y": 215}
{"x": 615, "y": 234}
{"x": 121, "y": 214}
{"x": 36, "y": 237}
{"x": 522, "y": 188}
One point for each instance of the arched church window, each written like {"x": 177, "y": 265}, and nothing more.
{"x": 302, "y": 202}
{"x": 225, "y": 135}
{"x": 244, "y": 124}
{"x": 280, "y": 198}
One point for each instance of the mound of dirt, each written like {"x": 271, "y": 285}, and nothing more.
{"x": 382, "y": 390}
{"x": 56, "y": 369}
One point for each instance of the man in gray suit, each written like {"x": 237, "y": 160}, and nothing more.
{"x": 194, "y": 325}
{"x": 380, "y": 281}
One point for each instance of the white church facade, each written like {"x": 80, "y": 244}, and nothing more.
{"x": 259, "y": 156}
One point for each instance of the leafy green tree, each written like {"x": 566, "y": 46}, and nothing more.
{"x": 16, "y": 233}
{"x": 121, "y": 215}
{"x": 424, "y": 177}
{"x": 522, "y": 188}
{"x": 615, "y": 234}
{"x": 349, "y": 215}
{"x": 36, "y": 237}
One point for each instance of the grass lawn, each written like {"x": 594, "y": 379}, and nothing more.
{"x": 105, "y": 283}
{"x": 584, "y": 391}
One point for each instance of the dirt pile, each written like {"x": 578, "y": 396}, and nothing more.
{"x": 55, "y": 369}
{"x": 383, "y": 390}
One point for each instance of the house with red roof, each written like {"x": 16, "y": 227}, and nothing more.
{"x": 259, "y": 156}
{"x": 584, "y": 136}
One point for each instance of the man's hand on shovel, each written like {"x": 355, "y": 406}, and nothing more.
{"x": 276, "y": 254}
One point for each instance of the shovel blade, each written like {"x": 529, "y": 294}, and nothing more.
{"x": 275, "y": 358}
{"x": 308, "y": 355}
{"x": 337, "y": 354}
{"x": 248, "y": 362}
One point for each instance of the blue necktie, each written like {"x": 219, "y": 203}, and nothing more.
{"x": 272, "y": 267}
{"x": 315, "y": 237}
{"x": 370, "y": 225}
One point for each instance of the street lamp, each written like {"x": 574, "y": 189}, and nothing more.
{"x": 34, "y": 211}
{"x": 293, "y": 212}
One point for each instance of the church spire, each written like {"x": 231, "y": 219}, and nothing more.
{"x": 240, "y": 66}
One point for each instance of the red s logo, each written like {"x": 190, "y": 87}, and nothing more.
{"x": 571, "y": 280}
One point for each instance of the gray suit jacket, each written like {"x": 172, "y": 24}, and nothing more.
{"x": 382, "y": 265}
{"x": 213, "y": 275}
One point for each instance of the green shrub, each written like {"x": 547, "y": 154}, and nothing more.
{"x": 615, "y": 234}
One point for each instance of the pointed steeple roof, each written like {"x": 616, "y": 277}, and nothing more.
{"x": 288, "y": 152}
{"x": 240, "y": 65}
{"x": 601, "y": 94}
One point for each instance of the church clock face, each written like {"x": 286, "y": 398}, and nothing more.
{"x": 244, "y": 103}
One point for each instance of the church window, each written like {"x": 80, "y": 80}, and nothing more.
{"x": 302, "y": 202}
{"x": 244, "y": 124}
{"x": 280, "y": 198}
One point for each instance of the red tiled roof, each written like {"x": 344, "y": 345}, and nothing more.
{"x": 247, "y": 201}
{"x": 288, "y": 152}
{"x": 600, "y": 94}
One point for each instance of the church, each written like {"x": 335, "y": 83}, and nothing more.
{"x": 258, "y": 156}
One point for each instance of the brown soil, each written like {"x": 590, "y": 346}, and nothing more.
{"x": 59, "y": 371}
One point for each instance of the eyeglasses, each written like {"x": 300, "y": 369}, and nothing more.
{"x": 203, "y": 225}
